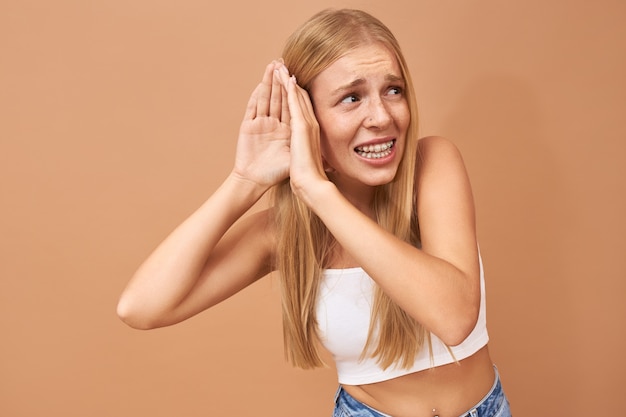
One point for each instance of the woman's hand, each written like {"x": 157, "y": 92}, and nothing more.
{"x": 263, "y": 146}
{"x": 306, "y": 169}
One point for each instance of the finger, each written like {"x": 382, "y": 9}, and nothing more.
{"x": 282, "y": 77}
{"x": 305, "y": 103}
{"x": 251, "y": 106}
{"x": 285, "y": 115}
{"x": 305, "y": 106}
{"x": 293, "y": 99}
{"x": 264, "y": 92}
{"x": 276, "y": 96}
{"x": 299, "y": 103}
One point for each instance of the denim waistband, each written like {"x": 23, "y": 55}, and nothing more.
{"x": 493, "y": 404}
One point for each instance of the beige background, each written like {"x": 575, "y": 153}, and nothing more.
{"x": 117, "y": 118}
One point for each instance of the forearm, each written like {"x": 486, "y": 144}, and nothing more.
{"x": 433, "y": 290}
{"x": 172, "y": 270}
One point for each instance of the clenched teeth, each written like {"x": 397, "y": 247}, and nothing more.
{"x": 380, "y": 150}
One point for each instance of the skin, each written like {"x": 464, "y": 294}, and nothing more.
{"x": 217, "y": 251}
{"x": 359, "y": 101}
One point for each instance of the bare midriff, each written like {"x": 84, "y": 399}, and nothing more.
{"x": 444, "y": 391}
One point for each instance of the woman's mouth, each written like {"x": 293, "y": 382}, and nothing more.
{"x": 380, "y": 150}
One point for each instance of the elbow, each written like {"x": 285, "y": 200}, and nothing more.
{"x": 461, "y": 318}
{"x": 459, "y": 329}
{"x": 133, "y": 316}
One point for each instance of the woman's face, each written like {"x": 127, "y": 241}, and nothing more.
{"x": 363, "y": 113}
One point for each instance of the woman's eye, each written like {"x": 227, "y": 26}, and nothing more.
{"x": 395, "y": 91}
{"x": 350, "y": 99}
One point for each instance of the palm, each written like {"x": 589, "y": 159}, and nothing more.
{"x": 263, "y": 150}
{"x": 264, "y": 136}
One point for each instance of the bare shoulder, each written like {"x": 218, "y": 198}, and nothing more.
{"x": 439, "y": 158}
{"x": 443, "y": 193}
{"x": 433, "y": 149}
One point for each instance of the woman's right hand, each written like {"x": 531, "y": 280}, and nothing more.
{"x": 264, "y": 136}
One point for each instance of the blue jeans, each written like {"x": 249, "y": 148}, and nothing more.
{"x": 494, "y": 404}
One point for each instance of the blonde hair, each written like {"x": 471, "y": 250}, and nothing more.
{"x": 304, "y": 244}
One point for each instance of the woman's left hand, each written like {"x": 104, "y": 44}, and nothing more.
{"x": 306, "y": 168}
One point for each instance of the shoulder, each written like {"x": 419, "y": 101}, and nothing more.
{"x": 444, "y": 202}
{"x": 437, "y": 149}
{"x": 438, "y": 156}
{"x": 440, "y": 169}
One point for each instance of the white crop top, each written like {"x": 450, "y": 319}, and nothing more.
{"x": 343, "y": 315}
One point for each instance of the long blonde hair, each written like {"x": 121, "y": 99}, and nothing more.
{"x": 304, "y": 244}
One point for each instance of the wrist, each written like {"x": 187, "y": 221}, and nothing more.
{"x": 316, "y": 195}
{"x": 246, "y": 188}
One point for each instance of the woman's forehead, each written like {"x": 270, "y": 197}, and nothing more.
{"x": 372, "y": 61}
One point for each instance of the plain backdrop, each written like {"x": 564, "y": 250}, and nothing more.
{"x": 118, "y": 118}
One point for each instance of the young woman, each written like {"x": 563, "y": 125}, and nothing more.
{"x": 371, "y": 230}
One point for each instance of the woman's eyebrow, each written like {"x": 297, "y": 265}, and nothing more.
{"x": 361, "y": 81}
{"x": 349, "y": 86}
{"x": 394, "y": 78}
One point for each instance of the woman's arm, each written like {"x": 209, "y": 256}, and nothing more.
{"x": 198, "y": 264}
{"x": 438, "y": 285}
{"x": 213, "y": 254}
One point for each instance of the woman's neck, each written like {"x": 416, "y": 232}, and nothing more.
{"x": 360, "y": 196}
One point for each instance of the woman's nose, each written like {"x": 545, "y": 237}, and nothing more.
{"x": 378, "y": 115}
